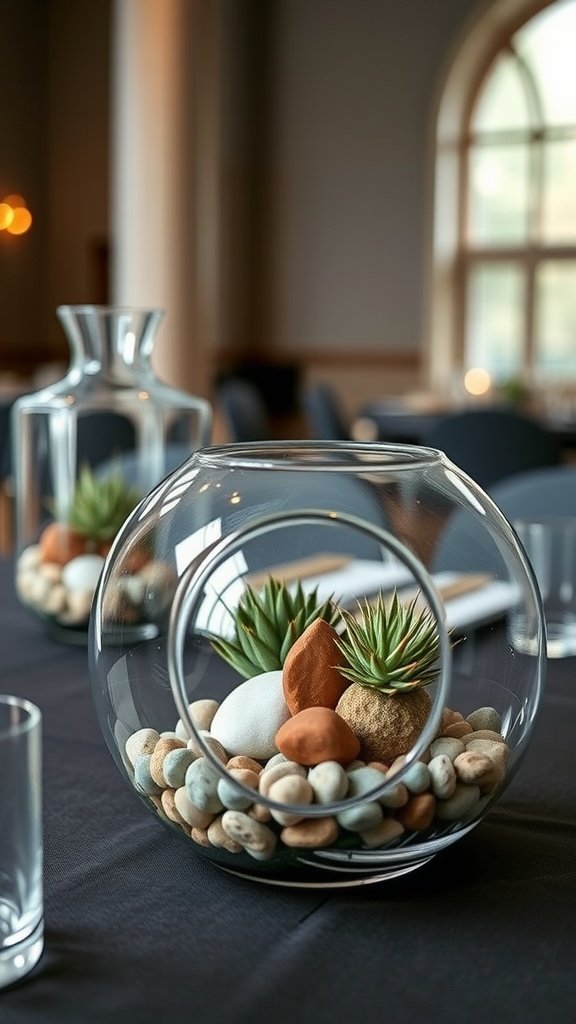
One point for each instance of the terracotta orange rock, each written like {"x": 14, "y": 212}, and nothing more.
{"x": 59, "y": 543}
{"x": 315, "y": 735}
{"x": 310, "y": 676}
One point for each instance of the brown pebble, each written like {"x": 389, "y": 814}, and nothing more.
{"x": 163, "y": 746}
{"x": 484, "y": 734}
{"x": 310, "y": 676}
{"x": 311, "y": 833}
{"x": 473, "y": 767}
{"x": 219, "y": 838}
{"x": 242, "y": 761}
{"x": 317, "y": 734}
{"x": 169, "y": 807}
{"x": 200, "y": 836}
{"x": 457, "y": 730}
{"x": 259, "y": 812}
{"x": 418, "y": 813}
{"x": 379, "y": 766}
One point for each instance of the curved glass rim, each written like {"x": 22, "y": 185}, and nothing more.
{"x": 30, "y": 716}
{"x": 369, "y": 456}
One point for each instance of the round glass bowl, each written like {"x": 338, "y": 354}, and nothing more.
{"x": 322, "y": 682}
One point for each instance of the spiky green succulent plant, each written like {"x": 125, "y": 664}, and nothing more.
{"x": 99, "y": 507}
{"x": 390, "y": 646}
{"x": 267, "y": 622}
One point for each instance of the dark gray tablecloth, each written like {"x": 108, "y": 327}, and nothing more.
{"x": 139, "y": 927}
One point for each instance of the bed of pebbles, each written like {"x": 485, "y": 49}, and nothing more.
{"x": 449, "y": 784}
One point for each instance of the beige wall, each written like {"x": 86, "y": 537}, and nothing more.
{"x": 326, "y": 170}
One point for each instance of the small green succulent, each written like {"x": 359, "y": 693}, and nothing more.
{"x": 392, "y": 647}
{"x": 99, "y": 507}
{"x": 268, "y": 622}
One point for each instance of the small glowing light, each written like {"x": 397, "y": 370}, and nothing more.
{"x": 477, "y": 381}
{"x": 6, "y": 215}
{"x": 21, "y": 221}
{"x": 19, "y": 961}
{"x": 15, "y": 200}
{"x": 235, "y": 499}
{"x": 143, "y": 396}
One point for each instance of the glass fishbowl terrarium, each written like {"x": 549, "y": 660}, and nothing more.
{"x": 325, "y": 688}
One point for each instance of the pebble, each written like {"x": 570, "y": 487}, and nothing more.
{"x": 315, "y": 735}
{"x": 175, "y": 766}
{"x": 169, "y": 807}
{"x": 443, "y": 776}
{"x": 202, "y": 786}
{"x": 272, "y": 773}
{"x": 142, "y": 777}
{"x": 202, "y": 713}
{"x": 485, "y": 718}
{"x": 311, "y": 833}
{"x": 484, "y": 734}
{"x": 417, "y": 778}
{"x": 213, "y": 745}
{"x": 329, "y": 782}
{"x": 256, "y": 838}
{"x": 218, "y": 837}
{"x": 249, "y": 718}
{"x": 163, "y": 747}
{"x": 457, "y": 729}
{"x": 382, "y": 833}
{"x": 82, "y": 572}
{"x": 448, "y": 745}
{"x": 418, "y": 814}
{"x": 200, "y": 836}
{"x": 141, "y": 742}
{"x": 233, "y": 798}
{"x": 473, "y": 767}
{"x": 311, "y": 677}
{"x": 192, "y": 815}
{"x": 361, "y": 817}
{"x": 244, "y": 762}
{"x": 294, "y": 791}
{"x": 460, "y": 804}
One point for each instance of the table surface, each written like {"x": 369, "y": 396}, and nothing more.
{"x": 139, "y": 926}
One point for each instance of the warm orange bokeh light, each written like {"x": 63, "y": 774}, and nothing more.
{"x": 20, "y": 222}
{"x": 6, "y": 215}
{"x": 14, "y": 200}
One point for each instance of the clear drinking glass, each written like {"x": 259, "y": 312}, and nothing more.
{"x": 21, "y": 896}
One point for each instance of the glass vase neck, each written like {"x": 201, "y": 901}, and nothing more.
{"x": 111, "y": 341}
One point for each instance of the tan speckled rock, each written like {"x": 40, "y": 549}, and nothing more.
{"x": 310, "y": 676}
{"x": 311, "y": 833}
{"x": 164, "y": 745}
{"x": 387, "y": 726}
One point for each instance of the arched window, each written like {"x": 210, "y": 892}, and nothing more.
{"x": 504, "y": 277}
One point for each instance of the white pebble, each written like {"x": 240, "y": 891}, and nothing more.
{"x": 250, "y": 716}
{"x": 82, "y": 572}
{"x": 141, "y": 742}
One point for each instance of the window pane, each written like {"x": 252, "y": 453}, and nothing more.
{"x": 498, "y": 195}
{"x": 555, "y": 319}
{"x": 502, "y": 100}
{"x": 559, "y": 200}
{"x": 546, "y": 42}
{"x": 495, "y": 318}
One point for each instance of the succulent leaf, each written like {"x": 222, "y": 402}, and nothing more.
{"x": 267, "y": 622}
{"x": 100, "y": 507}
{"x": 392, "y": 647}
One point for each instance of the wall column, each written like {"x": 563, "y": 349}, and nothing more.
{"x": 165, "y": 177}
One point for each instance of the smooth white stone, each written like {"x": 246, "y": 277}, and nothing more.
{"x": 249, "y": 717}
{"x": 83, "y": 572}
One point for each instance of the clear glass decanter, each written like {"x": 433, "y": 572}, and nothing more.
{"x": 86, "y": 450}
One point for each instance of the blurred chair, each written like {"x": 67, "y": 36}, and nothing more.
{"x": 490, "y": 444}
{"x": 243, "y": 410}
{"x": 464, "y": 544}
{"x": 323, "y": 414}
